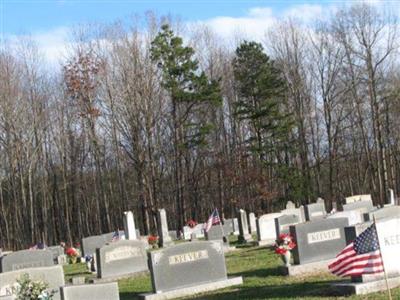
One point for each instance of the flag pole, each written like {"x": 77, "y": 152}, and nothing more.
{"x": 383, "y": 263}
{"x": 222, "y": 228}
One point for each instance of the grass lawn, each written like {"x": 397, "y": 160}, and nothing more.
{"x": 258, "y": 266}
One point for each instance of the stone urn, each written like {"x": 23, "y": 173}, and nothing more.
{"x": 286, "y": 258}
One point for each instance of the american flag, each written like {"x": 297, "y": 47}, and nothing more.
{"x": 362, "y": 256}
{"x": 212, "y": 220}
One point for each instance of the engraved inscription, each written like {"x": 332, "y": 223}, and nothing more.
{"x": 188, "y": 257}
{"x": 123, "y": 252}
{"x": 323, "y": 236}
{"x": 27, "y": 265}
{"x": 317, "y": 214}
{"x": 392, "y": 240}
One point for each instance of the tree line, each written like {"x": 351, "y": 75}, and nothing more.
{"x": 156, "y": 115}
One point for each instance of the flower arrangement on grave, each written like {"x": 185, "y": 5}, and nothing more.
{"x": 191, "y": 223}
{"x": 27, "y": 289}
{"x": 72, "y": 254}
{"x": 153, "y": 241}
{"x": 283, "y": 245}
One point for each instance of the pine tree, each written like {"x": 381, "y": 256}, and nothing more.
{"x": 192, "y": 95}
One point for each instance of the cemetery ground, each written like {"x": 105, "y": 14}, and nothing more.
{"x": 261, "y": 280}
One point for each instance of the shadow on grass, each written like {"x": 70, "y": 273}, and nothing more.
{"x": 287, "y": 291}
{"x": 262, "y": 273}
{"x": 131, "y": 295}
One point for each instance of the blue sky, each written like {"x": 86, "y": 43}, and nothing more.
{"x": 49, "y": 22}
{"x": 21, "y": 16}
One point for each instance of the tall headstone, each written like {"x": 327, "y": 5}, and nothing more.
{"x": 244, "y": 234}
{"x": 129, "y": 226}
{"x": 266, "y": 232}
{"x": 26, "y": 259}
{"x": 252, "y": 223}
{"x": 187, "y": 268}
{"x": 164, "y": 238}
{"x": 121, "y": 258}
{"x": 53, "y": 276}
{"x": 391, "y": 197}
{"x": 318, "y": 240}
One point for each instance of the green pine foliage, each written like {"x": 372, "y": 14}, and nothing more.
{"x": 192, "y": 93}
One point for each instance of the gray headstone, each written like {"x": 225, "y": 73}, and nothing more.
{"x": 53, "y": 276}
{"x": 318, "y": 240}
{"x": 91, "y": 243}
{"x": 26, "y": 259}
{"x": 216, "y": 233}
{"x": 56, "y": 251}
{"x": 228, "y": 227}
{"x": 266, "y": 227}
{"x": 235, "y": 226}
{"x": 100, "y": 291}
{"x": 290, "y": 205}
{"x": 282, "y": 223}
{"x": 367, "y": 204}
{"x": 164, "y": 238}
{"x": 320, "y": 200}
{"x": 353, "y": 216}
{"x": 299, "y": 212}
{"x": 121, "y": 258}
{"x": 186, "y": 265}
{"x": 173, "y": 235}
{"x": 252, "y": 223}
{"x": 315, "y": 211}
{"x": 351, "y": 232}
{"x": 385, "y": 212}
{"x": 244, "y": 234}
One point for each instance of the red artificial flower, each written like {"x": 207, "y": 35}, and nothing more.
{"x": 280, "y": 250}
{"x": 71, "y": 252}
{"x": 152, "y": 239}
{"x": 191, "y": 223}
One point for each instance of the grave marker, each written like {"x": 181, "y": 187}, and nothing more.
{"x": 26, "y": 259}
{"x": 164, "y": 238}
{"x": 120, "y": 259}
{"x": 188, "y": 268}
{"x": 53, "y": 275}
{"x": 99, "y": 291}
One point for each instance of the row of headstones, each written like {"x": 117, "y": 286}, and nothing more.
{"x": 321, "y": 236}
{"x": 172, "y": 268}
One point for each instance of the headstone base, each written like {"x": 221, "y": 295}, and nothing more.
{"x": 311, "y": 268}
{"x": 265, "y": 243}
{"x": 229, "y": 248}
{"x": 115, "y": 278}
{"x": 192, "y": 290}
{"x": 107, "y": 291}
{"x": 363, "y": 288}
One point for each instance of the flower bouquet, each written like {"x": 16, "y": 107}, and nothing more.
{"x": 283, "y": 245}
{"x": 27, "y": 289}
{"x": 153, "y": 241}
{"x": 72, "y": 254}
